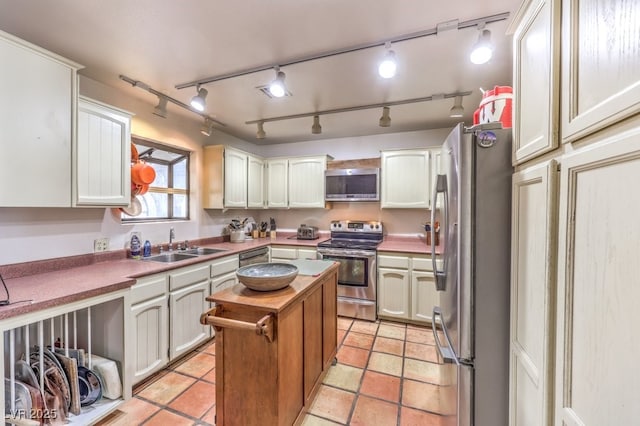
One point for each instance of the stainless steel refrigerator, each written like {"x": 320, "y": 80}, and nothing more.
{"x": 473, "y": 196}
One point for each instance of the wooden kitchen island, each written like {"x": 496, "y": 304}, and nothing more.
{"x": 273, "y": 348}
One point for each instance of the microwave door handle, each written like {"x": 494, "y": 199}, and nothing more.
{"x": 440, "y": 274}
{"x": 447, "y": 353}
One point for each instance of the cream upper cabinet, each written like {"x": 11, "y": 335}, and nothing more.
{"x": 306, "y": 182}
{"x": 255, "y": 182}
{"x": 536, "y": 80}
{"x": 601, "y": 64}
{"x": 405, "y": 180}
{"x": 278, "y": 183}
{"x": 533, "y": 289}
{"x": 235, "y": 178}
{"x": 102, "y": 157}
{"x": 436, "y": 169}
{"x": 598, "y": 292}
{"x": 38, "y": 118}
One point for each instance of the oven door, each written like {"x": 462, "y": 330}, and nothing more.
{"x": 356, "y": 273}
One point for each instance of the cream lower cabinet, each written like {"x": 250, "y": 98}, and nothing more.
{"x": 406, "y": 287}
{"x": 188, "y": 288}
{"x": 405, "y": 179}
{"x": 38, "y": 109}
{"x": 288, "y": 253}
{"x": 533, "y": 289}
{"x": 102, "y": 174}
{"x": 598, "y": 275}
{"x": 149, "y": 323}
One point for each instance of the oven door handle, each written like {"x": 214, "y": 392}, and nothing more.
{"x": 346, "y": 253}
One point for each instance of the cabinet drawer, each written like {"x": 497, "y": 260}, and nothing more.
{"x": 187, "y": 276}
{"x": 307, "y": 254}
{"x": 148, "y": 288}
{"x": 283, "y": 253}
{"x": 425, "y": 264}
{"x": 224, "y": 266}
{"x": 385, "y": 261}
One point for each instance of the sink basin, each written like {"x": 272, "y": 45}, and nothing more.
{"x": 170, "y": 257}
{"x": 200, "y": 251}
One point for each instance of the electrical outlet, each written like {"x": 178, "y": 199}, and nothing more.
{"x": 100, "y": 244}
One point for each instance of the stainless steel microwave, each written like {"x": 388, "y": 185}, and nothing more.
{"x": 352, "y": 185}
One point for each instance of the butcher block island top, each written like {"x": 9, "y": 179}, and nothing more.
{"x": 274, "y": 348}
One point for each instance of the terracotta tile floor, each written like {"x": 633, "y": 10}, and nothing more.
{"x": 387, "y": 374}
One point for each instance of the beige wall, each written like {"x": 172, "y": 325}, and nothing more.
{"x": 37, "y": 233}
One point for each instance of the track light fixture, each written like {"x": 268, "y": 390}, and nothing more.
{"x": 277, "y": 88}
{"x": 457, "y": 110}
{"x": 199, "y": 100}
{"x": 385, "y": 120}
{"x": 260, "y": 134}
{"x": 387, "y": 68}
{"x": 207, "y": 127}
{"x": 161, "y": 109}
{"x": 482, "y": 49}
{"x": 316, "y": 129}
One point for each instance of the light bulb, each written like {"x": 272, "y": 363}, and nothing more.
{"x": 387, "y": 67}
{"x": 482, "y": 50}
{"x": 198, "y": 101}
{"x": 276, "y": 88}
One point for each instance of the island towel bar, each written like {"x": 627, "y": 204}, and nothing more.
{"x": 263, "y": 327}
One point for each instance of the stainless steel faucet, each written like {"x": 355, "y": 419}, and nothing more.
{"x": 172, "y": 235}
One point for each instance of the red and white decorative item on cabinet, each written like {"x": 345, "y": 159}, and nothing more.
{"x": 496, "y": 105}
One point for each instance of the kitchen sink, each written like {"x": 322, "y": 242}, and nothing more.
{"x": 200, "y": 251}
{"x": 170, "y": 257}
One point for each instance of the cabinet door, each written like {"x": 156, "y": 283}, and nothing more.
{"x": 185, "y": 306}
{"x": 149, "y": 325}
{"x": 277, "y": 183}
{"x": 235, "y": 178}
{"x": 598, "y": 344}
{"x": 313, "y": 333}
{"x": 533, "y": 241}
{"x": 536, "y": 77}
{"x": 600, "y": 64}
{"x": 102, "y": 157}
{"x": 223, "y": 282}
{"x": 423, "y": 296}
{"x": 255, "y": 182}
{"x": 405, "y": 179}
{"x": 306, "y": 182}
{"x": 307, "y": 254}
{"x": 37, "y": 122}
{"x": 393, "y": 293}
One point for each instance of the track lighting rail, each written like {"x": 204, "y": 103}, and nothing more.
{"x": 360, "y": 107}
{"x": 432, "y": 31}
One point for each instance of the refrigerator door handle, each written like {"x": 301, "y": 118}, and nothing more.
{"x": 447, "y": 353}
{"x": 440, "y": 275}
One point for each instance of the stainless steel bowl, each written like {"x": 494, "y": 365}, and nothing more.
{"x": 267, "y": 276}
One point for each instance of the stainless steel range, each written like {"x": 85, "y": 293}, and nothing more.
{"x": 353, "y": 243}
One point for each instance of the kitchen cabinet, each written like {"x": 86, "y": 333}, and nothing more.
{"x": 536, "y": 44}
{"x": 38, "y": 110}
{"x": 600, "y": 63}
{"x": 533, "y": 290}
{"x": 288, "y": 253}
{"x": 405, "y": 179}
{"x": 436, "y": 169}
{"x": 231, "y": 179}
{"x": 271, "y": 376}
{"x": 102, "y": 161}
{"x": 98, "y": 325}
{"x": 406, "y": 287}
{"x": 149, "y": 323}
{"x": 223, "y": 273}
{"x": 188, "y": 289}
{"x": 278, "y": 183}
{"x": 255, "y": 182}
{"x": 598, "y": 270}
{"x": 306, "y": 182}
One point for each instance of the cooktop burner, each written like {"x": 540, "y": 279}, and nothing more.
{"x": 350, "y": 234}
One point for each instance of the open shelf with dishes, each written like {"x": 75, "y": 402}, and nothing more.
{"x": 65, "y": 364}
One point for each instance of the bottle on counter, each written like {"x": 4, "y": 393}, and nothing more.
{"x": 146, "y": 250}
{"x": 135, "y": 247}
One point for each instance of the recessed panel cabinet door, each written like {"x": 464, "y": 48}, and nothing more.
{"x": 235, "y": 178}
{"x": 277, "y": 183}
{"x": 533, "y": 278}
{"x": 404, "y": 181}
{"x": 306, "y": 182}
{"x": 102, "y": 160}
{"x": 150, "y": 343}
{"x": 598, "y": 276}
{"x": 255, "y": 182}
{"x": 186, "y": 305}
{"x": 536, "y": 81}
{"x": 393, "y": 293}
{"x": 600, "y": 64}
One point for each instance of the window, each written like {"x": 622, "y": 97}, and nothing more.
{"x": 168, "y": 195}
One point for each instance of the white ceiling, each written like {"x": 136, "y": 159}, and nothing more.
{"x": 166, "y": 43}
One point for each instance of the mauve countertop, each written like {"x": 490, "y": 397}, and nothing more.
{"x": 38, "y": 291}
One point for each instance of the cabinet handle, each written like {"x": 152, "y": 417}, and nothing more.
{"x": 263, "y": 327}
{"x": 440, "y": 275}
